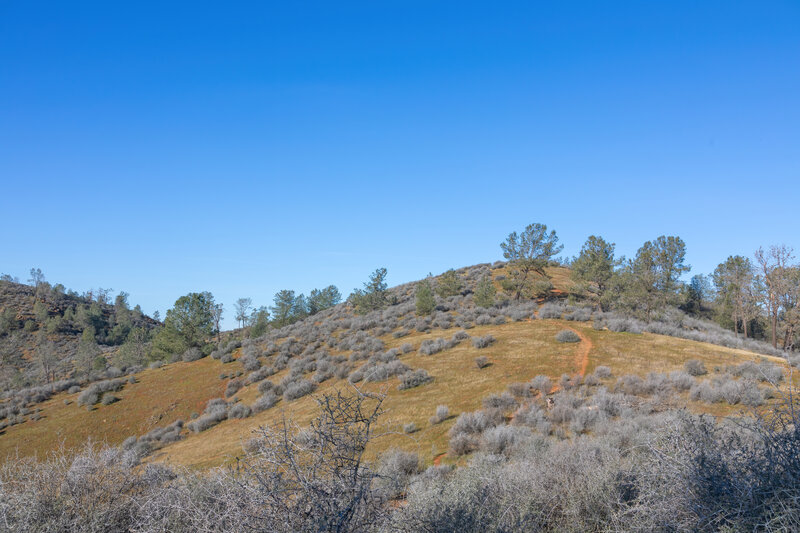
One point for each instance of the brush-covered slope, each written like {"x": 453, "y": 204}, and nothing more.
{"x": 420, "y": 363}
{"x": 41, "y": 327}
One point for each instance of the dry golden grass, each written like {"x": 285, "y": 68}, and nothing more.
{"x": 159, "y": 397}
{"x": 522, "y": 351}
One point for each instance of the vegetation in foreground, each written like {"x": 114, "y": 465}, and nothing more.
{"x": 667, "y": 471}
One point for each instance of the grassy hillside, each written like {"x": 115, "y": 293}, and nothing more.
{"x": 524, "y": 347}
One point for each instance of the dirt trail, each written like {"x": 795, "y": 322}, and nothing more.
{"x": 438, "y": 459}
{"x": 582, "y": 357}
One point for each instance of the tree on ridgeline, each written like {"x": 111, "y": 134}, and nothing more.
{"x": 595, "y": 266}
{"x": 242, "y": 307}
{"x": 528, "y": 253}
{"x": 449, "y": 284}
{"x": 374, "y": 295}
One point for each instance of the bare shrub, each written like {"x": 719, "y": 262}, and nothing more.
{"x": 442, "y": 413}
{"x": 695, "y": 367}
{"x": 502, "y": 402}
{"x": 192, "y": 354}
{"x": 482, "y": 342}
{"x": 298, "y": 389}
{"x": 501, "y": 440}
{"x": 602, "y": 372}
{"x": 542, "y": 384}
{"x": 482, "y": 361}
{"x": 414, "y": 378}
{"x": 567, "y": 335}
{"x": 239, "y": 410}
{"x": 233, "y": 387}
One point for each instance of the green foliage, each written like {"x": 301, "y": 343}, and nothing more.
{"x": 41, "y": 312}
{"x": 595, "y": 265}
{"x": 259, "y": 322}
{"x": 319, "y": 300}
{"x": 528, "y": 253}
{"x": 449, "y": 284}
{"x": 8, "y": 321}
{"x": 425, "y": 300}
{"x": 650, "y": 282}
{"x": 736, "y": 298}
{"x": 374, "y": 296}
{"x": 287, "y": 308}
{"x": 188, "y": 324}
{"x": 85, "y": 357}
{"x": 135, "y": 350}
{"x": 484, "y": 292}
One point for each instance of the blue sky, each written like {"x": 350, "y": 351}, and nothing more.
{"x": 245, "y": 148}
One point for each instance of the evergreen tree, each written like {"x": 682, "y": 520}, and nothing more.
{"x": 484, "y": 292}
{"x": 287, "y": 308}
{"x": 595, "y": 265}
{"x": 259, "y": 322}
{"x": 449, "y": 284}
{"x": 528, "y": 253}
{"x": 319, "y": 300}
{"x": 373, "y": 296}
{"x": 425, "y": 300}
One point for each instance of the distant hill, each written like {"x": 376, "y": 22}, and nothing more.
{"x": 41, "y": 329}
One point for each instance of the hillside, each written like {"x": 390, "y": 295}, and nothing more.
{"x": 265, "y": 379}
{"x": 52, "y": 339}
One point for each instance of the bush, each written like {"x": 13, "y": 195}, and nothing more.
{"x": 482, "y": 361}
{"x": 501, "y": 402}
{"x": 584, "y": 314}
{"x": 298, "y": 389}
{"x": 192, "y": 354}
{"x": 500, "y": 440}
{"x": 462, "y": 444}
{"x": 695, "y": 367}
{"x": 550, "y": 310}
{"x": 532, "y": 416}
{"x": 411, "y": 427}
{"x": 233, "y": 387}
{"x": 474, "y": 423}
{"x": 482, "y": 342}
{"x": 108, "y": 399}
{"x": 624, "y": 325}
{"x": 442, "y": 413}
{"x": 265, "y": 401}
{"x": 681, "y": 381}
{"x": 602, "y": 372}
{"x": 415, "y": 378}
{"x": 431, "y": 346}
{"x": 567, "y": 335}
{"x": 542, "y": 384}
{"x": 239, "y": 411}
{"x": 704, "y": 392}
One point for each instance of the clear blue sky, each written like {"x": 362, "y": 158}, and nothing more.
{"x": 243, "y": 148}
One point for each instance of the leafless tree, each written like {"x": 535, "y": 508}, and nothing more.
{"x": 774, "y": 266}
{"x": 242, "y": 307}
{"x": 316, "y": 479}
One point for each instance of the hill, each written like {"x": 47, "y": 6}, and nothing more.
{"x": 202, "y": 413}
{"x": 52, "y": 339}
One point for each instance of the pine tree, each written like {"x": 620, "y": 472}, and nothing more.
{"x": 425, "y": 299}
{"x": 484, "y": 292}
